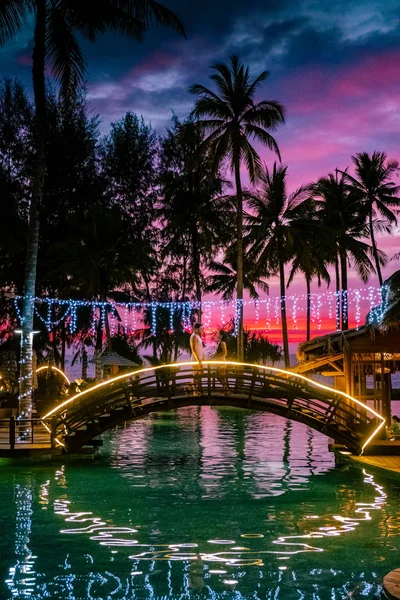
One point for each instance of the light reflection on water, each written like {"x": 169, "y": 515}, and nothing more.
{"x": 203, "y": 503}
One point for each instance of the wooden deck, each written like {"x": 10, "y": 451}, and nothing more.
{"x": 386, "y": 463}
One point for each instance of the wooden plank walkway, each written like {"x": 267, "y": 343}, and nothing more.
{"x": 385, "y": 463}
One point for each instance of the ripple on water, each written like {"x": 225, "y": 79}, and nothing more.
{"x": 201, "y": 503}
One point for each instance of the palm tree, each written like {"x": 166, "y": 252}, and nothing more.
{"x": 232, "y": 120}
{"x": 57, "y": 50}
{"x": 340, "y": 210}
{"x": 272, "y": 230}
{"x": 192, "y": 211}
{"x": 310, "y": 257}
{"x": 377, "y": 191}
{"x": 223, "y": 281}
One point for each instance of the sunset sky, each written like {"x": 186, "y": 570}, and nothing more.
{"x": 334, "y": 64}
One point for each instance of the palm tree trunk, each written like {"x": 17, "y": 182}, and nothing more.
{"x": 308, "y": 283}
{"x": 108, "y": 334}
{"x": 25, "y": 392}
{"x": 337, "y": 304}
{"x": 196, "y": 268}
{"x": 63, "y": 344}
{"x": 98, "y": 350}
{"x": 239, "y": 260}
{"x": 345, "y": 310}
{"x": 374, "y": 248}
{"x": 283, "y": 313}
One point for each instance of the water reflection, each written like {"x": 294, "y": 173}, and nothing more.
{"x": 22, "y": 576}
{"x": 203, "y": 503}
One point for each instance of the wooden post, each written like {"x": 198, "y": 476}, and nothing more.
{"x": 209, "y": 381}
{"x": 53, "y": 431}
{"x": 12, "y": 433}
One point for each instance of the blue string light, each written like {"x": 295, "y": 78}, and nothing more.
{"x": 372, "y": 294}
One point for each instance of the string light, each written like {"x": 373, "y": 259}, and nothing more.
{"x": 337, "y": 310}
{"x": 294, "y": 311}
{"x": 268, "y": 314}
{"x": 238, "y": 316}
{"x": 372, "y": 295}
{"x": 153, "y": 319}
{"x": 171, "y": 316}
{"x": 319, "y": 304}
{"x": 358, "y": 310}
{"x": 257, "y": 311}
{"x": 277, "y": 301}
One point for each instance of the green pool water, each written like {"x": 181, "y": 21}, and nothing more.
{"x": 207, "y": 503}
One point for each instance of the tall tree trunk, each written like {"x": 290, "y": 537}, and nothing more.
{"x": 374, "y": 248}
{"x": 283, "y": 313}
{"x": 84, "y": 363}
{"x": 337, "y": 303}
{"x": 184, "y": 278}
{"x": 196, "y": 268}
{"x": 25, "y": 393}
{"x": 108, "y": 334}
{"x": 239, "y": 260}
{"x": 308, "y": 283}
{"x": 345, "y": 309}
{"x": 63, "y": 343}
{"x": 98, "y": 350}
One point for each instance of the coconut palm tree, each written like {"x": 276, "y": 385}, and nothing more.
{"x": 223, "y": 280}
{"x": 310, "y": 256}
{"x": 233, "y": 120}
{"x": 340, "y": 210}
{"x": 193, "y": 213}
{"x": 56, "y": 49}
{"x": 378, "y": 193}
{"x": 271, "y": 230}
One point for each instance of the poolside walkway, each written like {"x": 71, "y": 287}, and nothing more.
{"x": 383, "y": 463}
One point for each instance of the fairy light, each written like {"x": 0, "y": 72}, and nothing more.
{"x": 171, "y": 307}
{"x": 93, "y": 321}
{"x": 277, "y": 302}
{"x": 268, "y": 314}
{"x": 103, "y": 316}
{"x": 223, "y": 313}
{"x": 294, "y": 311}
{"x": 238, "y": 316}
{"x": 337, "y": 310}
{"x": 56, "y": 369}
{"x": 358, "y": 310}
{"x": 126, "y": 311}
{"x": 345, "y": 305}
{"x": 257, "y": 311}
{"x": 292, "y": 376}
{"x": 153, "y": 319}
{"x": 330, "y": 307}
{"x": 318, "y": 311}
{"x": 371, "y": 296}
{"x": 70, "y": 307}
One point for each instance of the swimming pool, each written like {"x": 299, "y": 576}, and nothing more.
{"x": 199, "y": 503}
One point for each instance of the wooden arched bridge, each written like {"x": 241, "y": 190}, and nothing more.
{"x": 77, "y": 421}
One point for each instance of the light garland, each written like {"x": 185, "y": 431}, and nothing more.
{"x": 100, "y": 310}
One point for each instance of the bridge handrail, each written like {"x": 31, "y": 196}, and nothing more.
{"x": 167, "y": 379}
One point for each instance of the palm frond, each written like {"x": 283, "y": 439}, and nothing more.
{"x": 64, "y": 55}
{"x": 13, "y": 17}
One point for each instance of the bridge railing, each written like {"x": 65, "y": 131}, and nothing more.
{"x": 281, "y": 390}
{"x": 18, "y": 434}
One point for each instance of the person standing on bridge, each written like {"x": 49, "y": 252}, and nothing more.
{"x": 197, "y": 349}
